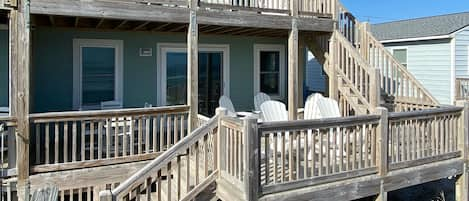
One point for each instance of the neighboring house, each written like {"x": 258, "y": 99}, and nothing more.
{"x": 315, "y": 79}
{"x": 435, "y": 49}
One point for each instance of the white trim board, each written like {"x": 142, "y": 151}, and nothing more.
{"x": 270, "y": 47}
{"x": 78, "y": 44}
{"x": 164, "y": 48}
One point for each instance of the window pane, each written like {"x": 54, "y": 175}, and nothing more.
{"x": 270, "y": 61}
{"x": 98, "y": 75}
{"x": 270, "y": 83}
{"x": 176, "y": 75}
{"x": 210, "y": 85}
{"x": 401, "y": 55}
{"x": 270, "y": 72}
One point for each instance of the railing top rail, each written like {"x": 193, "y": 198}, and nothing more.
{"x": 317, "y": 123}
{"x": 164, "y": 158}
{"x": 463, "y": 78}
{"x": 424, "y": 113}
{"x": 9, "y": 120}
{"x": 237, "y": 122}
{"x": 53, "y": 116}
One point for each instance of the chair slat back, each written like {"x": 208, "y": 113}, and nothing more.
{"x": 225, "y": 102}
{"x": 312, "y": 108}
{"x": 259, "y": 99}
{"x": 274, "y": 111}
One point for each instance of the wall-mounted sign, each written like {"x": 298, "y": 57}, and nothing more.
{"x": 146, "y": 52}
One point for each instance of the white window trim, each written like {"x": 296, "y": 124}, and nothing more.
{"x": 401, "y": 48}
{"x": 164, "y": 48}
{"x": 78, "y": 44}
{"x": 269, "y": 47}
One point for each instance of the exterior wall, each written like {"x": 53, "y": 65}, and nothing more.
{"x": 315, "y": 79}
{"x": 430, "y": 63}
{"x": 52, "y": 73}
{"x": 462, "y": 53}
{"x": 4, "y": 70}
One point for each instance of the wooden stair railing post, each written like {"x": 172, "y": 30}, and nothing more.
{"x": 375, "y": 87}
{"x": 251, "y": 159}
{"x": 221, "y": 146}
{"x": 106, "y": 196}
{"x": 462, "y": 182}
{"x": 382, "y": 150}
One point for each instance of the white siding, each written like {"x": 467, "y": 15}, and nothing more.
{"x": 462, "y": 53}
{"x": 314, "y": 78}
{"x": 430, "y": 63}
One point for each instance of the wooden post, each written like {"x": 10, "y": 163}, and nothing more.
{"x": 105, "y": 195}
{"x": 302, "y": 55}
{"x": 221, "y": 112}
{"x": 462, "y": 182}
{"x": 382, "y": 150}
{"x": 375, "y": 87}
{"x": 330, "y": 64}
{"x": 20, "y": 66}
{"x": 293, "y": 64}
{"x": 193, "y": 65}
{"x": 251, "y": 158}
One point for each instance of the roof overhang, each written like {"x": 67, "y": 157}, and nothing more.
{"x": 418, "y": 39}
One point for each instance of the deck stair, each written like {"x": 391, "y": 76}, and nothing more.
{"x": 353, "y": 59}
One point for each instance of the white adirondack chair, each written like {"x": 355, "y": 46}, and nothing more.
{"x": 312, "y": 110}
{"x": 225, "y": 102}
{"x": 318, "y": 107}
{"x": 276, "y": 111}
{"x": 259, "y": 99}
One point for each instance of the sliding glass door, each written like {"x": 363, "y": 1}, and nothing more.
{"x": 210, "y": 79}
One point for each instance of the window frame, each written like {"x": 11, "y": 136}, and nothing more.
{"x": 78, "y": 44}
{"x": 164, "y": 48}
{"x": 406, "y": 64}
{"x": 258, "y": 48}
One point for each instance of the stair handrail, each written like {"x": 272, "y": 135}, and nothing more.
{"x": 158, "y": 163}
{"x": 363, "y": 46}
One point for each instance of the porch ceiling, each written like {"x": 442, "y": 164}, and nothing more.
{"x": 150, "y": 26}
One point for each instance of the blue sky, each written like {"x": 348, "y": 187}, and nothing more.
{"x": 377, "y": 11}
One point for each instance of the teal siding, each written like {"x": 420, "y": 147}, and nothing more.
{"x": 430, "y": 63}
{"x": 4, "y": 70}
{"x": 462, "y": 53}
{"x": 52, "y": 80}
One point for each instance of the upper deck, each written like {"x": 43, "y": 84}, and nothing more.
{"x": 313, "y": 15}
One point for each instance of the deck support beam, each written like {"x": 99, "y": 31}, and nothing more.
{"x": 293, "y": 46}
{"x": 193, "y": 65}
{"x": 20, "y": 68}
{"x": 330, "y": 64}
{"x": 302, "y": 56}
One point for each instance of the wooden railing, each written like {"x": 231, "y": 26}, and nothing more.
{"x": 296, "y": 154}
{"x": 462, "y": 89}
{"x": 423, "y": 136}
{"x": 180, "y": 173}
{"x": 232, "y": 141}
{"x": 69, "y": 140}
{"x": 323, "y": 8}
{"x": 301, "y": 153}
{"x": 356, "y": 79}
{"x": 7, "y": 139}
{"x": 396, "y": 80}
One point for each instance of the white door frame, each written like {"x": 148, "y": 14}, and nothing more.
{"x": 78, "y": 44}
{"x": 164, "y": 48}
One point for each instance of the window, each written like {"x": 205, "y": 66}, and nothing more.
{"x": 97, "y": 72}
{"x": 401, "y": 56}
{"x": 269, "y": 70}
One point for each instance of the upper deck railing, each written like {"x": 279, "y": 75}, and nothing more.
{"x": 462, "y": 89}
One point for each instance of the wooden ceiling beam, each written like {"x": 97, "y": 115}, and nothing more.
{"x": 77, "y": 20}
{"x": 141, "y": 25}
{"x": 52, "y": 20}
{"x": 101, "y": 21}
{"x": 121, "y": 24}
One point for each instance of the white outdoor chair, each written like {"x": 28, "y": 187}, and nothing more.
{"x": 259, "y": 99}
{"x": 319, "y": 107}
{"x": 226, "y": 103}
{"x": 276, "y": 111}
